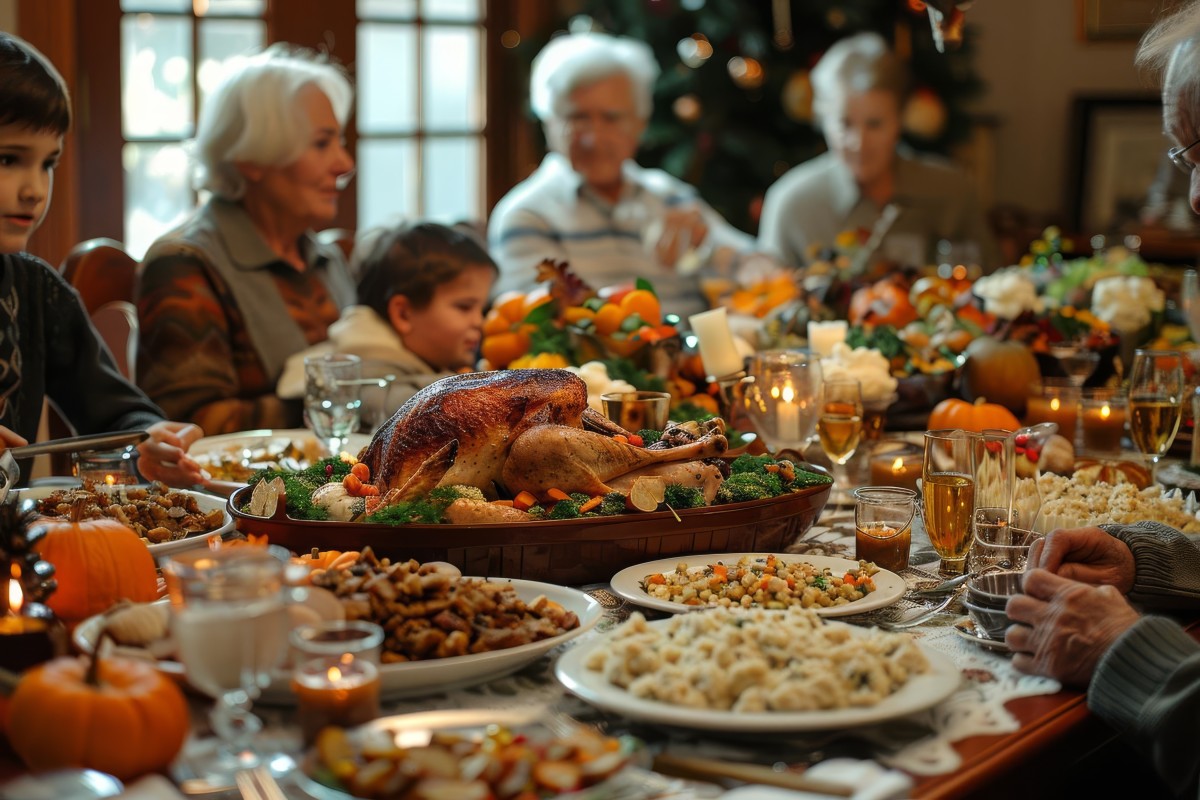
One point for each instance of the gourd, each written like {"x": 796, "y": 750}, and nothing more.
{"x": 98, "y": 563}
{"x": 976, "y": 417}
{"x": 999, "y": 371}
{"x": 117, "y": 715}
{"x": 1091, "y": 470}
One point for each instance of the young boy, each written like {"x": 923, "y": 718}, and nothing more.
{"x": 48, "y": 347}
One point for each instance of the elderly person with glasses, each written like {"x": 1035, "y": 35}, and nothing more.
{"x": 589, "y": 203}
{"x": 866, "y": 181}
{"x": 228, "y": 296}
{"x": 1074, "y": 622}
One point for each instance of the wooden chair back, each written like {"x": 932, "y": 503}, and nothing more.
{"x": 117, "y": 324}
{"x": 101, "y": 271}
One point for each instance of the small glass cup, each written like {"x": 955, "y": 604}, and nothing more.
{"x": 360, "y": 638}
{"x": 332, "y": 406}
{"x": 883, "y": 525}
{"x": 107, "y": 467}
{"x": 635, "y": 411}
{"x": 1105, "y": 412}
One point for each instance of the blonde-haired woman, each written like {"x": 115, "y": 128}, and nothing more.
{"x": 859, "y": 90}
{"x": 228, "y": 296}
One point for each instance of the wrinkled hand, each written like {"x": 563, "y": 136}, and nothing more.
{"x": 683, "y": 228}
{"x": 1088, "y": 555}
{"x": 1064, "y": 626}
{"x": 163, "y": 457}
{"x": 10, "y": 438}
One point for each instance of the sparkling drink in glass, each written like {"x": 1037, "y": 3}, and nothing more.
{"x": 948, "y": 491}
{"x": 840, "y": 423}
{"x": 1155, "y": 402}
{"x": 331, "y": 397}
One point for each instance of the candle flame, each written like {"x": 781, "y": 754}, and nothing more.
{"x": 789, "y": 394}
{"x": 334, "y": 674}
{"x": 774, "y": 392}
{"x": 1054, "y": 404}
{"x": 1105, "y": 411}
{"x": 109, "y": 480}
{"x": 16, "y": 597}
{"x": 898, "y": 464}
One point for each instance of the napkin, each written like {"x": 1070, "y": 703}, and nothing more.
{"x": 870, "y": 781}
{"x": 151, "y": 787}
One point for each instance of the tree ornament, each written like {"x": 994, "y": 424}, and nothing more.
{"x": 747, "y": 73}
{"x": 687, "y": 107}
{"x": 925, "y": 114}
{"x": 797, "y": 96}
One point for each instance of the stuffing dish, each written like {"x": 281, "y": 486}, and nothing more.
{"x": 155, "y": 512}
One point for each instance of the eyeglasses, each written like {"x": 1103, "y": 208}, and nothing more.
{"x": 603, "y": 122}
{"x": 1176, "y": 156}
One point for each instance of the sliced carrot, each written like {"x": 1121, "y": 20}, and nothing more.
{"x": 720, "y": 571}
{"x": 848, "y": 578}
{"x": 590, "y": 504}
{"x": 636, "y": 440}
{"x": 557, "y": 494}
{"x": 362, "y": 471}
{"x": 352, "y": 484}
{"x": 524, "y": 501}
{"x": 657, "y": 578}
{"x": 772, "y": 468}
{"x": 620, "y": 437}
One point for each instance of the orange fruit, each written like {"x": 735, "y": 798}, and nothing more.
{"x": 577, "y": 314}
{"x": 502, "y": 348}
{"x": 643, "y": 303}
{"x": 537, "y": 297}
{"x": 608, "y": 319}
{"x": 495, "y": 322}
{"x": 511, "y": 304}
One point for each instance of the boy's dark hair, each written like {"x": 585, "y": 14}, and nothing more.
{"x": 32, "y": 92}
{"x": 413, "y": 259}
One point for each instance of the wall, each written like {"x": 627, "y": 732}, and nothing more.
{"x": 8, "y": 15}
{"x": 1030, "y": 54}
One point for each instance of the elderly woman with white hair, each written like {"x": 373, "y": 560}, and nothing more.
{"x": 865, "y": 182}
{"x": 229, "y": 295}
{"x": 589, "y": 203}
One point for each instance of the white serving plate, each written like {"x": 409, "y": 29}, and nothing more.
{"x": 206, "y": 502}
{"x": 415, "y": 677}
{"x": 921, "y": 692}
{"x": 889, "y": 587}
{"x": 259, "y": 445}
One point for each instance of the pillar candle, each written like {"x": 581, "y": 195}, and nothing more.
{"x": 822, "y": 336}
{"x": 1103, "y": 427}
{"x": 1062, "y": 410}
{"x": 335, "y": 690}
{"x": 896, "y": 469}
{"x": 717, "y": 350}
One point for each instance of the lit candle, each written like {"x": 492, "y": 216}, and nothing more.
{"x": 1103, "y": 427}
{"x": 822, "y": 336}
{"x": 896, "y": 469}
{"x": 1052, "y": 407}
{"x": 26, "y": 639}
{"x": 787, "y": 415}
{"x": 335, "y": 690}
{"x": 717, "y": 350}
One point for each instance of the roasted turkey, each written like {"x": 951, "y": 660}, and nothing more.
{"x": 510, "y": 431}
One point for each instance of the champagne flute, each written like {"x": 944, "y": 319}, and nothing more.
{"x": 230, "y": 623}
{"x": 1189, "y": 300}
{"x": 331, "y": 397}
{"x": 780, "y": 397}
{"x": 948, "y": 489}
{"x": 1155, "y": 402}
{"x": 839, "y": 426}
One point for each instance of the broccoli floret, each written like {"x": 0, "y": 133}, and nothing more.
{"x": 649, "y": 437}
{"x": 448, "y": 494}
{"x": 416, "y": 511}
{"x": 679, "y": 497}
{"x": 804, "y": 479}
{"x": 536, "y": 511}
{"x": 751, "y": 464}
{"x": 565, "y": 509}
{"x": 745, "y": 486}
{"x": 612, "y": 504}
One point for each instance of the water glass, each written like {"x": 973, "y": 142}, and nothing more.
{"x": 883, "y": 525}
{"x": 780, "y": 397}
{"x": 999, "y": 543}
{"x": 948, "y": 489}
{"x": 995, "y": 468}
{"x": 635, "y": 411}
{"x": 331, "y": 397}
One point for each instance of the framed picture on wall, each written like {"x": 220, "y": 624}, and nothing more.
{"x": 1119, "y": 148}
{"x": 1119, "y": 19}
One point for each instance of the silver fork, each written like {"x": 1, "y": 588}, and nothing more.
{"x": 922, "y": 616}
{"x": 259, "y": 784}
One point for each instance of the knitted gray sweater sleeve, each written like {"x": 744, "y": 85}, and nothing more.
{"x": 1168, "y": 565}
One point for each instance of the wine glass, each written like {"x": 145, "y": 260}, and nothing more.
{"x": 839, "y": 426}
{"x": 780, "y": 397}
{"x": 1189, "y": 301}
{"x": 331, "y": 397}
{"x": 230, "y": 624}
{"x": 1155, "y": 402}
{"x": 948, "y": 489}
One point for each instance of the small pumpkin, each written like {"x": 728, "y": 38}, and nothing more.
{"x": 999, "y": 371}
{"x": 117, "y": 715}
{"x": 98, "y": 563}
{"x": 884, "y": 302}
{"x": 976, "y": 417}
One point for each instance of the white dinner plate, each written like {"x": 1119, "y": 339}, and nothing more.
{"x": 206, "y": 502}
{"x": 919, "y": 693}
{"x": 889, "y": 587}
{"x": 261, "y": 448}
{"x": 415, "y": 677}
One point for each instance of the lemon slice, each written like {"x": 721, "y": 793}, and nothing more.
{"x": 647, "y": 492}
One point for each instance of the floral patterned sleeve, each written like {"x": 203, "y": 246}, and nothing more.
{"x": 194, "y": 359}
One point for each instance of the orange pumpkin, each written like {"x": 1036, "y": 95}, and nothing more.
{"x": 977, "y": 416}
{"x": 1000, "y": 371}
{"x": 882, "y": 303}
{"x": 117, "y": 715}
{"x": 97, "y": 562}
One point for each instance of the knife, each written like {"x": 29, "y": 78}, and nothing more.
{"x": 77, "y": 444}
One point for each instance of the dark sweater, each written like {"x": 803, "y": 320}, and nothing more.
{"x": 48, "y": 348}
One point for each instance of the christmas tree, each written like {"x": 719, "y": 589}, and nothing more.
{"x": 733, "y": 106}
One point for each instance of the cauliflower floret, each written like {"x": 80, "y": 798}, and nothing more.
{"x": 863, "y": 364}
{"x": 1126, "y": 303}
{"x": 595, "y": 375}
{"x": 1007, "y": 293}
